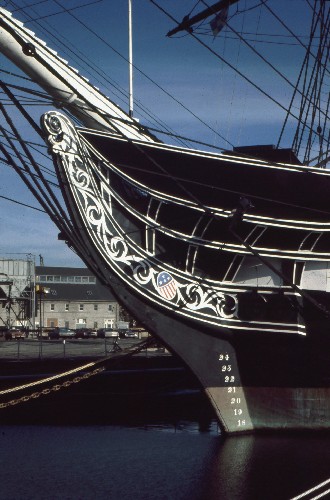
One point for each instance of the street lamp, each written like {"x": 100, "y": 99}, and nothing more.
{"x": 41, "y": 291}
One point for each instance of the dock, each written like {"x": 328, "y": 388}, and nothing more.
{"x": 147, "y": 386}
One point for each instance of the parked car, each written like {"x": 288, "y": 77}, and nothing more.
{"x": 82, "y": 333}
{"x": 59, "y": 333}
{"x": 14, "y": 334}
{"x": 106, "y": 333}
{"x": 44, "y": 333}
{"x": 124, "y": 334}
{"x": 85, "y": 333}
{"x": 130, "y": 334}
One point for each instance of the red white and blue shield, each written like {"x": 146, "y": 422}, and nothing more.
{"x": 166, "y": 285}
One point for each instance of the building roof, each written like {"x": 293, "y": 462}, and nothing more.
{"x": 74, "y": 291}
{"x": 92, "y": 293}
{"x": 63, "y": 271}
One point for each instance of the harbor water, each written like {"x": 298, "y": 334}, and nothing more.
{"x": 155, "y": 439}
{"x": 159, "y": 462}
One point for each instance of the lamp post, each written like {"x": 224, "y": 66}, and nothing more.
{"x": 41, "y": 291}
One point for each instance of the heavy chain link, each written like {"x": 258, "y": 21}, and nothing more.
{"x": 48, "y": 390}
{"x": 54, "y": 388}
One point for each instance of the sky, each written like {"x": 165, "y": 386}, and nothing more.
{"x": 175, "y": 79}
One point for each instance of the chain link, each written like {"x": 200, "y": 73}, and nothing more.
{"x": 67, "y": 383}
{"x": 54, "y": 388}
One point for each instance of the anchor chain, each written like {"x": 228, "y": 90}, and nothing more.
{"x": 54, "y": 388}
{"x": 48, "y": 390}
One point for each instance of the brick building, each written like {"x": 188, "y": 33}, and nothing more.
{"x": 73, "y": 298}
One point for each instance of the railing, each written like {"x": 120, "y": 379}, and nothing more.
{"x": 18, "y": 349}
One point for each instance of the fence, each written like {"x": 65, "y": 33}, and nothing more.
{"x": 51, "y": 349}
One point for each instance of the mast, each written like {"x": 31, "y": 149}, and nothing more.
{"x": 312, "y": 135}
{"x": 187, "y": 23}
{"x": 130, "y": 58}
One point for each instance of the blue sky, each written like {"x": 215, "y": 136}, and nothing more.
{"x": 189, "y": 72}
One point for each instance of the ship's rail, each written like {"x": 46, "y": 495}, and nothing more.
{"x": 33, "y": 349}
{"x": 45, "y": 385}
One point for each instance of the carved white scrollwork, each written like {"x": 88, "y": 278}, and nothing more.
{"x": 79, "y": 171}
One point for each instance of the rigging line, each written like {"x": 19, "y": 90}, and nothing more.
{"x": 299, "y": 135}
{"x": 165, "y": 170}
{"x": 316, "y": 94}
{"x": 297, "y": 140}
{"x": 207, "y": 33}
{"x": 148, "y": 78}
{"x": 23, "y": 204}
{"x": 64, "y": 10}
{"x": 306, "y": 57}
{"x": 279, "y": 73}
{"x": 243, "y": 11}
{"x": 50, "y": 198}
{"x": 31, "y": 175}
{"x": 257, "y": 87}
{"x": 30, "y": 101}
{"x": 205, "y": 209}
{"x": 22, "y": 175}
{"x": 67, "y": 228}
{"x": 160, "y": 122}
{"x": 26, "y": 102}
{"x": 88, "y": 105}
{"x": 286, "y": 27}
{"x": 21, "y": 108}
{"x": 105, "y": 77}
{"x": 186, "y": 139}
{"x": 62, "y": 223}
{"x": 42, "y": 167}
{"x": 270, "y": 35}
{"x": 300, "y": 131}
{"x": 42, "y": 95}
{"x": 16, "y": 75}
{"x": 35, "y": 146}
{"x": 17, "y": 9}
{"x": 178, "y": 180}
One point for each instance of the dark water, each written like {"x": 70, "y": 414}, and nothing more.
{"x": 85, "y": 443}
{"x": 157, "y": 462}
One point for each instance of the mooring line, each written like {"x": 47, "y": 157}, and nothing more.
{"x": 302, "y": 495}
{"x": 123, "y": 352}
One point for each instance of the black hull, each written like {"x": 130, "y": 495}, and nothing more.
{"x": 259, "y": 372}
{"x": 148, "y": 389}
{"x": 271, "y": 385}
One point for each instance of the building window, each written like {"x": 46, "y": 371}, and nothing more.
{"x": 96, "y": 307}
{"x": 66, "y": 307}
{"x": 81, "y": 307}
{"x": 95, "y": 324}
{"x": 66, "y": 324}
{"x": 110, "y": 307}
{"x": 52, "y": 307}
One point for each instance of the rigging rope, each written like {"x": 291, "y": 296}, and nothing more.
{"x": 165, "y": 172}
